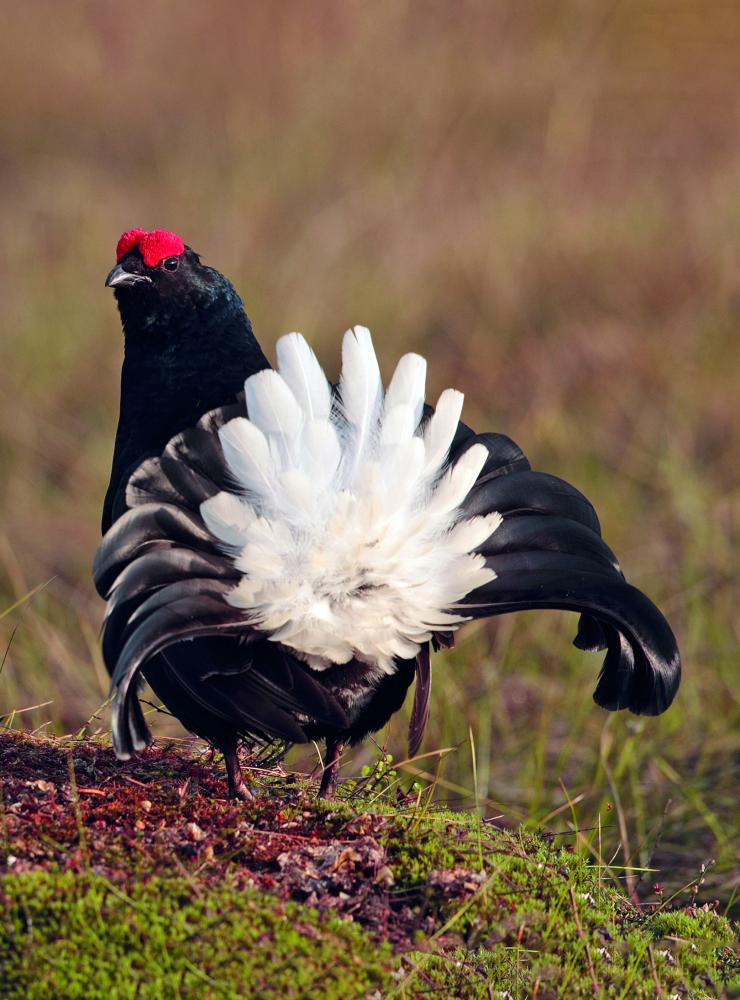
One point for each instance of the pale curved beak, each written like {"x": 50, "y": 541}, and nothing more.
{"x": 120, "y": 278}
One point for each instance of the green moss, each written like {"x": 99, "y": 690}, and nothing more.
{"x": 438, "y": 847}
{"x": 540, "y": 915}
{"x": 517, "y": 959}
{"x": 79, "y": 936}
{"x": 413, "y": 899}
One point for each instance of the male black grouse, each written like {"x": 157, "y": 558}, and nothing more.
{"x": 280, "y": 554}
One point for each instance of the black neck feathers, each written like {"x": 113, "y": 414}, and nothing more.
{"x": 178, "y": 364}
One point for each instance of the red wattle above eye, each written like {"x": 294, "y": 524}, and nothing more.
{"x": 130, "y": 239}
{"x": 158, "y": 244}
{"x": 153, "y": 246}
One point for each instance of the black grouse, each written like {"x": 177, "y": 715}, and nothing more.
{"x": 281, "y": 554}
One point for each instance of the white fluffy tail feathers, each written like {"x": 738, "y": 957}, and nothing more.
{"x": 344, "y": 519}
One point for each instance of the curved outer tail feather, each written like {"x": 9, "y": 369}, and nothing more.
{"x": 319, "y": 527}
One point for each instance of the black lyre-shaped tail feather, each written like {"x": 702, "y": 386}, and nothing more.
{"x": 166, "y": 580}
{"x": 548, "y": 553}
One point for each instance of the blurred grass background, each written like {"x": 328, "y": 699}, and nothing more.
{"x": 543, "y": 198}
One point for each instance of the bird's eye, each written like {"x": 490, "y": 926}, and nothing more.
{"x": 170, "y": 263}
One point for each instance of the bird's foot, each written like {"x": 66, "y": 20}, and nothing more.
{"x": 329, "y": 773}
{"x": 328, "y": 786}
{"x": 240, "y": 791}
{"x": 238, "y": 788}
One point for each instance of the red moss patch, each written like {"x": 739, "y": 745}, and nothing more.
{"x": 71, "y": 804}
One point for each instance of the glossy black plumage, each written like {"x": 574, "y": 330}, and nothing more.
{"x": 167, "y": 580}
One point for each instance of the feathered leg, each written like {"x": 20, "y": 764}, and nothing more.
{"x": 328, "y": 785}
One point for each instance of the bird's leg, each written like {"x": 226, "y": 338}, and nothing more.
{"x": 331, "y": 766}
{"x": 237, "y": 786}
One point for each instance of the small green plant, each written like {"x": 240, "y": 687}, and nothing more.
{"x": 379, "y": 780}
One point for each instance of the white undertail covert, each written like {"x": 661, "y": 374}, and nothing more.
{"x": 345, "y": 516}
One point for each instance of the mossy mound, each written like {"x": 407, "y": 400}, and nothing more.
{"x": 79, "y": 936}
{"x": 143, "y": 880}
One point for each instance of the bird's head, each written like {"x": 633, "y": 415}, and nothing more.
{"x": 189, "y": 347}
{"x": 161, "y": 286}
